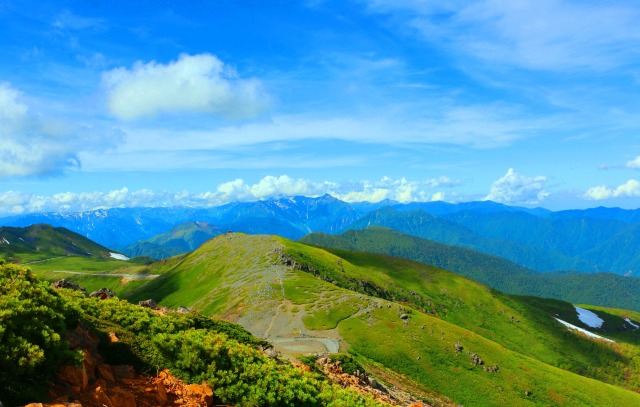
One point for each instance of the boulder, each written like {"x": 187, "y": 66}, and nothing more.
{"x": 75, "y": 376}
{"x": 64, "y": 283}
{"x": 201, "y": 391}
{"x": 122, "y": 398}
{"x": 103, "y": 294}
{"x": 271, "y": 353}
{"x": 150, "y": 303}
{"x": 476, "y": 360}
{"x": 106, "y": 372}
{"x": 123, "y": 372}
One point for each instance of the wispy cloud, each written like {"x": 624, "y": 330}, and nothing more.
{"x": 513, "y": 188}
{"x": 70, "y": 21}
{"x": 482, "y": 126}
{"x": 402, "y": 190}
{"x": 34, "y": 145}
{"x": 193, "y": 83}
{"x": 547, "y": 35}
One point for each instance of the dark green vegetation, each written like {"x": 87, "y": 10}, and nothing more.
{"x": 181, "y": 239}
{"x": 422, "y": 224}
{"x": 193, "y": 347}
{"x": 594, "y": 240}
{"x": 603, "y": 289}
{"x": 590, "y": 241}
{"x": 407, "y": 317}
{"x": 56, "y": 253}
{"x": 33, "y": 343}
{"x": 39, "y": 242}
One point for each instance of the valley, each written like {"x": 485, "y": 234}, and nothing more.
{"x": 407, "y": 320}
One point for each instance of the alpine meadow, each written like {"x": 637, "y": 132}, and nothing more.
{"x": 358, "y": 203}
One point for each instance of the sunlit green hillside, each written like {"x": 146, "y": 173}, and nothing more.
{"x": 404, "y": 316}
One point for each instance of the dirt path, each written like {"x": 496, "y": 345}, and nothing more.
{"x": 41, "y": 261}
{"x": 129, "y": 276}
{"x": 306, "y": 345}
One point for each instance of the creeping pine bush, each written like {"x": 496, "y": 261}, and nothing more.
{"x": 34, "y": 318}
{"x": 32, "y": 333}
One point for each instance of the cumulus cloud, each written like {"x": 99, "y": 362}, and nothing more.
{"x": 193, "y": 83}
{"x": 628, "y": 189}
{"x": 513, "y": 188}
{"x": 33, "y": 145}
{"x": 633, "y": 164}
{"x": 402, "y": 190}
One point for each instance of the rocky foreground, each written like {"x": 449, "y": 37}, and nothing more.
{"x": 95, "y": 383}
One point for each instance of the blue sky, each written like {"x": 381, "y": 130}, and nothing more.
{"x": 156, "y": 103}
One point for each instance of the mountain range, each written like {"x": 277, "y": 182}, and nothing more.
{"x": 604, "y": 289}
{"x": 591, "y": 241}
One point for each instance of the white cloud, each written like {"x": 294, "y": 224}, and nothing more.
{"x": 402, "y": 190}
{"x": 33, "y": 145}
{"x": 634, "y": 164}
{"x": 547, "y": 34}
{"x": 630, "y": 188}
{"x": 513, "y": 188}
{"x": 69, "y": 21}
{"x": 193, "y": 83}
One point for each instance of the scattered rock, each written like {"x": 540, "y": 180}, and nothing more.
{"x": 95, "y": 383}
{"x": 527, "y": 393}
{"x": 183, "y": 310}
{"x": 271, "y": 353}
{"x": 476, "y": 360}
{"x": 103, "y": 294}
{"x": 404, "y": 316}
{"x": 491, "y": 369}
{"x": 123, "y": 372}
{"x": 458, "y": 347}
{"x": 150, "y": 303}
{"x": 64, "y": 283}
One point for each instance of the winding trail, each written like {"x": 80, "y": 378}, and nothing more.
{"x": 129, "y": 276}
{"x": 41, "y": 261}
{"x": 268, "y": 331}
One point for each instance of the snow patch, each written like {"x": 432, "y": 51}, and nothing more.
{"x": 635, "y": 326}
{"x": 5, "y": 240}
{"x": 584, "y": 331}
{"x": 118, "y": 256}
{"x": 589, "y": 318}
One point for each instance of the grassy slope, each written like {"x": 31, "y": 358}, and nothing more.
{"x": 38, "y": 242}
{"x": 601, "y": 289}
{"x": 421, "y": 224}
{"x": 237, "y": 276}
{"x": 50, "y": 251}
{"x": 113, "y": 271}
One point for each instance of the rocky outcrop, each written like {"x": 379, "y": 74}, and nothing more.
{"x": 95, "y": 383}
{"x": 359, "y": 381}
{"x": 103, "y": 294}
{"x": 476, "y": 360}
{"x": 64, "y": 283}
{"x": 150, "y": 303}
